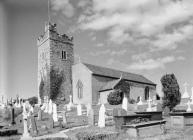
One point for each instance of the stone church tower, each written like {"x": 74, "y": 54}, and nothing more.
{"x": 55, "y": 51}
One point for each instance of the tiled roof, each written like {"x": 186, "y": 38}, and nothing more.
{"x": 110, "y": 85}
{"x": 102, "y": 71}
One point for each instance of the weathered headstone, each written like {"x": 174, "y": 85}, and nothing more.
{"x": 55, "y": 115}
{"x": 101, "y": 121}
{"x": 33, "y": 125}
{"x": 64, "y": 117}
{"x": 39, "y": 114}
{"x": 91, "y": 117}
{"x": 79, "y": 110}
{"x": 26, "y": 135}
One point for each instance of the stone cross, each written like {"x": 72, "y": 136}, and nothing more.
{"x": 79, "y": 110}
{"x": 140, "y": 101}
{"x": 26, "y": 135}
{"x": 149, "y": 104}
{"x": 55, "y": 115}
{"x": 125, "y": 103}
{"x": 189, "y": 107}
{"x": 101, "y": 121}
{"x": 185, "y": 95}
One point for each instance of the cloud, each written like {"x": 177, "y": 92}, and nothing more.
{"x": 100, "y": 44}
{"x": 170, "y": 41}
{"x": 64, "y": 6}
{"x": 108, "y": 52}
{"x": 150, "y": 64}
{"x": 128, "y": 20}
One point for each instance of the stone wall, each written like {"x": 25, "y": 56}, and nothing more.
{"x": 82, "y": 73}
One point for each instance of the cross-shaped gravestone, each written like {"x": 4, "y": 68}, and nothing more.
{"x": 140, "y": 101}
{"x": 55, "y": 115}
{"x": 185, "y": 95}
{"x": 33, "y": 125}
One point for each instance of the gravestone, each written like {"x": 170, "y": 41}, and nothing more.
{"x": 55, "y": 115}
{"x": 140, "y": 101}
{"x": 125, "y": 103}
{"x": 26, "y": 135}
{"x": 39, "y": 114}
{"x": 12, "y": 116}
{"x": 50, "y": 110}
{"x": 33, "y": 125}
{"x": 64, "y": 117}
{"x": 79, "y": 110}
{"x": 70, "y": 104}
{"x": 192, "y": 96}
{"x": 101, "y": 121}
{"x": 88, "y": 108}
{"x": 91, "y": 117}
{"x": 149, "y": 109}
{"x": 189, "y": 108}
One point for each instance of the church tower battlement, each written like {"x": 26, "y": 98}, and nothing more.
{"x": 55, "y": 51}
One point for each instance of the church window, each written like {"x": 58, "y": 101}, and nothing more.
{"x": 79, "y": 89}
{"x": 146, "y": 93}
{"x": 64, "y": 55}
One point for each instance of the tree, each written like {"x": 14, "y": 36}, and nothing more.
{"x": 115, "y": 97}
{"x": 171, "y": 91}
{"x": 33, "y": 100}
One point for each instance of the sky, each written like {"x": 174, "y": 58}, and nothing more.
{"x": 148, "y": 37}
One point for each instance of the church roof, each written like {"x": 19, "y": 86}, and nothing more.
{"x": 107, "y": 72}
{"x": 110, "y": 85}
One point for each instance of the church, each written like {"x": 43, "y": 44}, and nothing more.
{"x": 86, "y": 83}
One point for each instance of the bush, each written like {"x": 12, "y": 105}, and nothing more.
{"x": 33, "y": 100}
{"x": 115, "y": 98}
{"x": 171, "y": 90}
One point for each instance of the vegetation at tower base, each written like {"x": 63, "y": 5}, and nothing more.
{"x": 171, "y": 91}
{"x": 41, "y": 89}
{"x": 115, "y": 97}
{"x": 56, "y": 80}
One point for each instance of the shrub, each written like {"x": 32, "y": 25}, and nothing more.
{"x": 115, "y": 98}
{"x": 171, "y": 91}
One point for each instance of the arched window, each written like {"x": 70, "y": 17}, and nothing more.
{"x": 146, "y": 93}
{"x": 79, "y": 89}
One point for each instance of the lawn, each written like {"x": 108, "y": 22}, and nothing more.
{"x": 171, "y": 134}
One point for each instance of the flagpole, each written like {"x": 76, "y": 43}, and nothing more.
{"x": 48, "y": 11}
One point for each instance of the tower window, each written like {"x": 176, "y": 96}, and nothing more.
{"x": 146, "y": 93}
{"x": 64, "y": 55}
{"x": 79, "y": 89}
